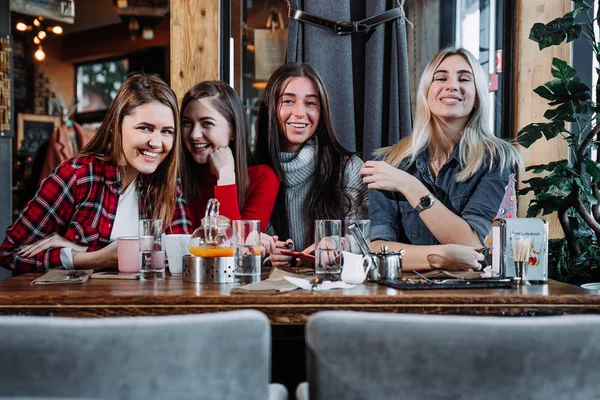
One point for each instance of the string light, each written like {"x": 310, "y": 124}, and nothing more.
{"x": 41, "y": 34}
{"x": 39, "y": 54}
{"x": 147, "y": 33}
{"x": 23, "y": 27}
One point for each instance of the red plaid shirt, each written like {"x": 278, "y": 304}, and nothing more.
{"x": 79, "y": 201}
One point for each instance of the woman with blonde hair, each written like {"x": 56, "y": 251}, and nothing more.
{"x": 126, "y": 172}
{"x": 444, "y": 183}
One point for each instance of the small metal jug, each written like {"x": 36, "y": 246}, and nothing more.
{"x": 388, "y": 265}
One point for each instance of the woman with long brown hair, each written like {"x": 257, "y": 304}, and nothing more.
{"x": 126, "y": 172}
{"x": 320, "y": 178}
{"x": 216, "y": 159}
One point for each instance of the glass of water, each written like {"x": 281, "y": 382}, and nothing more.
{"x": 328, "y": 246}
{"x": 246, "y": 251}
{"x": 152, "y": 253}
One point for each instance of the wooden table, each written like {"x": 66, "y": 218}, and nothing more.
{"x": 109, "y": 298}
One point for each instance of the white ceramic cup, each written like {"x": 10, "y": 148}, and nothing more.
{"x": 176, "y": 246}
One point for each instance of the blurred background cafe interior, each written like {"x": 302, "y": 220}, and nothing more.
{"x": 61, "y": 65}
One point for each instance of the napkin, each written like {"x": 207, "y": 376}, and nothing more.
{"x": 68, "y": 276}
{"x": 274, "y": 284}
{"x": 327, "y": 285}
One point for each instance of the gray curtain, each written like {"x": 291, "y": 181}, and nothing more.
{"x": 366, "y": 75}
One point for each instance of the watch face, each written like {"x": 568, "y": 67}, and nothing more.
{"x": 425, "y": 202}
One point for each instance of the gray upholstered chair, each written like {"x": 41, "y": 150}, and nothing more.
{"x": 371, "y": 356}
{"x": 208, "y": 356}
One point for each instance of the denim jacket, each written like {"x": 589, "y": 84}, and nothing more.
{"x": 476, "y": 201}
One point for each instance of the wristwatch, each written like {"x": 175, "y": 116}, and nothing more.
{"x": 425, "y": 202}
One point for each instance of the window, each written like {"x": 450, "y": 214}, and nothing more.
{"x": 485, "y": 28}
{"x": 97, "y": 85}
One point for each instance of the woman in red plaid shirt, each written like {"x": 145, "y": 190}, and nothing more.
{"x": 126, "y": 172}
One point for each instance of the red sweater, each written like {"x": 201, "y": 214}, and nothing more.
{"x": 259, "y": 202}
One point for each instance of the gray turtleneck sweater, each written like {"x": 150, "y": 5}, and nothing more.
{"x": 299, "y": 169}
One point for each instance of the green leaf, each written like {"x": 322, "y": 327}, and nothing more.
{"x": 529, "y": 135}
{"x": 562, "y": 113}
{"x": 584, "y": 192}
{"x": 551, "y": 166}
{"x": 524, "y": 191}
{"x": 532, "y": 132}
{"x": 545, "y": 204}
{"x": 583, "y": 6}
{"x": 533, "y": 211}
{"x": 568, "y": 90}
{"x": 555, "y": 32}
{"x": 574, "y": 221}
{"x": 544, "y": 92}
{"x": 570, "y": 111}
{"x": 592, "y": 168}
{"x": 562, "y": 70}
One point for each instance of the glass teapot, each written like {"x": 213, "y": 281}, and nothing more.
{"x": 214, "y": 236}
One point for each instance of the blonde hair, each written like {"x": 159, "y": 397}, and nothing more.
{"x": 478, "y": 143}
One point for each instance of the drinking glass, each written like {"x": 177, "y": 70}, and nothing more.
{"x": 246, "y": 251}
{"x": 152, "y": 253}
{"x": 327, "y": 246}
{"x": 363, "y": 228}
{"x": 128, "y": 254}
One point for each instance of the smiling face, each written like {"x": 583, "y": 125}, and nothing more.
{"x": 148, "y": 134}
{"x": 451, "y": 95}
{"x": 204, "y": 129}
{"x": 299, "y": 113}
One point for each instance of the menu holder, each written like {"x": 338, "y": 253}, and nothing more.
{"x": 477, "y": 283}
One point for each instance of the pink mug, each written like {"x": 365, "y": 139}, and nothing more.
{"x": 128, "y": 254}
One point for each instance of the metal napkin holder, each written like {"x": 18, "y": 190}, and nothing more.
{"x": 503, "y": 265}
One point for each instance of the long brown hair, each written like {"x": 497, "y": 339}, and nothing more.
{"x": 328, "y": 198}
{"x": 107, "y": 143}
{"x": 229, "y": 105}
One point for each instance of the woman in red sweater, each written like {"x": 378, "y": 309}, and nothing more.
{"x": 217, "y": 157}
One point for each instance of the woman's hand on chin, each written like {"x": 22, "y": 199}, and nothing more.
{"x": 382, "y": 176}
{"x": 222, "y": 166}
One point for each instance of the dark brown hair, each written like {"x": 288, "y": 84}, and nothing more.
{"x": 107, "y": 143}
{"x": 229, "y": 105}
{"x": 327, "y": 199}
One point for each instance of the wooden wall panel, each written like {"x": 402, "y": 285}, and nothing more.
{"x": 532, "y": 68}
{"x": 194, "y": 43}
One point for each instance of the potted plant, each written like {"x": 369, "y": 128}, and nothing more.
{"x": 569, "y": 187}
